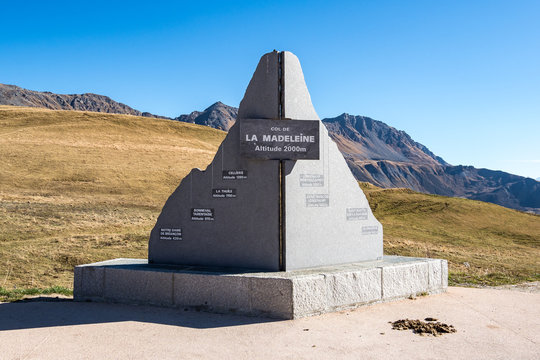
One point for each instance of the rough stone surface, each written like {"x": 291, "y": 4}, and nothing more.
{"x": 230, "y": 294}
{"x": 146, "y": 287}
{"x": 91, "y": 280}
{"x": 285, "y": 295}
{"x": 353, "y": 287}
{"x": 270, "y": 296}
{"x": 242, "y": 234}
{"x": 310, "y": 295}
{"x": 193, "y": 290}
{"x": 435, "y": 274}
{"x": 444, "y": 266}
{"x": 405, "y": 279}
{"x": 77, "y": 277}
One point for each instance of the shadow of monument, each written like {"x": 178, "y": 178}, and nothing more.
{"x": 50, "y": 312}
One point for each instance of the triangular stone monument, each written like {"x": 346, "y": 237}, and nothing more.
{"x": 278, "y": 195}
{"x": 276, "y": 225}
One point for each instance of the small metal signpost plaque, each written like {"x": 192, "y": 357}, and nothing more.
{"x": 311, "y": 180}
{"x": 170, "y": 234}
{"x": 202, "y": 214}
{"x": 224, "y": 193}
{"x": 370, "y": 230}
{"x": 235, "y": 174}
{"x": 317, "y": 200}
{"x": 279, "y": 139}
{"x": 354, "y": 214}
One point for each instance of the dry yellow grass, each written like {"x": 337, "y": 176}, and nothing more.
{"x": 79, "y": 187}
{"x": 484, "y": 243}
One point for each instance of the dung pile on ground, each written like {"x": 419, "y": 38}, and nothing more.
{"x": 430, "y": 327}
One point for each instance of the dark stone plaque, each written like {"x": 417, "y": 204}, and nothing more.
{"x": 354, "y": 214}
{"x": 279, "y": 139}
{"x": 224, "y": 193}
{"x": 317, "y": 200}
{"x": 170, "y": 234}
{"x": 235, "y": 174}
{"x": 202, "y": 214}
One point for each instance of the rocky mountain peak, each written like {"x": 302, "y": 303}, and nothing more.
{"x": 217, "y": 115}
{"x": 367, "y": 139}
{"x": 17, "y": 96}
{"x": 217, "y": 104}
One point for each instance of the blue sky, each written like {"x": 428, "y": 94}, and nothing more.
{"x": 461, "y": 77}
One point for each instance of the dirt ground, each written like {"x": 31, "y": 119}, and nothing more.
{"x": 489, "y": 324}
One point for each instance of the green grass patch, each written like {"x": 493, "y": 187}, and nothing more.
{"x": 7, "y": 295}
{"x": 491, "y": 279}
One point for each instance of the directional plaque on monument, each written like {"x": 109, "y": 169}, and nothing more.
{"x": 279, "y": 139}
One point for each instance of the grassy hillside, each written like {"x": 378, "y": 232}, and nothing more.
{"x": 79, "y": 187}
{"x": 483, "y": 243}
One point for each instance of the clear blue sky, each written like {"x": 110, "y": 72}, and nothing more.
{"x": 461, "y": 77}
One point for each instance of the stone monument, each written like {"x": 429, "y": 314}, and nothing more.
{"x": 278, "y": 195}
{"x": 276, "y": 225}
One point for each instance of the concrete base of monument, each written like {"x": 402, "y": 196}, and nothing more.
{"x": 283, "y": 295}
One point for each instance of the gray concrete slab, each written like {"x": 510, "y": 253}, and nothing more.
{"x": 270, "y": 296}
{"x": 145, "y": 287}
{"x": 285, "y": 295}
{"x": 435, "y": 280}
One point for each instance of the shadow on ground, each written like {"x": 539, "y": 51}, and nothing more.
{"x": 48, "y": 312}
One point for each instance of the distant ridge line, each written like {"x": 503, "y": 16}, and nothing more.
{"x": 389, "y": 158}
{"x": 375, "y": 152}
{"x": 16, "y": 96}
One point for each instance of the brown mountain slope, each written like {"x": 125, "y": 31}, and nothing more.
{"x": 17, "y": 96}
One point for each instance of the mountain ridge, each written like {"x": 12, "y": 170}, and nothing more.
{"x": 375, "y": 152}
{"x": 379, "y": 141}
{"x": 17, "y": 96}
{"x": 389, "y": 158}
